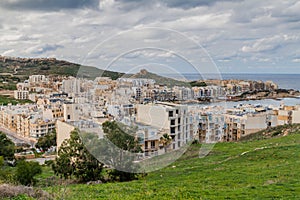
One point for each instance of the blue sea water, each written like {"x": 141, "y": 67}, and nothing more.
{"x": 284, "y": 81}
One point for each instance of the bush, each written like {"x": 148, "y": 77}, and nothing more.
{"x": 1, "y": 161}
{"x": 46, "y": 141}
{"x": 26, "y": 171}
{"x": 7, "y": 147}
{"x": 45, "y": 68}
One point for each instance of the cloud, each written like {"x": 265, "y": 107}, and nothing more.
{"x": 8, "y": 52}
{"x": 296, "y": 60}
{"x": 47, "y": 4}
{"x": 40, "y": 49}
{"x": 242, "y": 32}
{"x": 269, "y": 44}
{"x": 187, "y": 4}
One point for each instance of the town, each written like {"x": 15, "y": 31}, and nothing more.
{"x": 64, "y": 103}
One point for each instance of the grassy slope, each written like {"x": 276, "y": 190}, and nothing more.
{"x": 226, "y": 173}
{"x": 50, "y": 67}
{"x": 6, "y": 100}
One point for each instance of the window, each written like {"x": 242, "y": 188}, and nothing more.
{"x": 152, "y": 144}
{"x": 172, "y": 130}
{"x": 69, "y": 116}
{"x": 170, "y": 113}
{"x": 172, "y": 122}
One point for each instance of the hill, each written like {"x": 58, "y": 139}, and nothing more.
{"x": 158, "y": 79}
{"x": 24, "y": 67}
{"x": 264, "y": 169}
{"x": 13, "y": 70}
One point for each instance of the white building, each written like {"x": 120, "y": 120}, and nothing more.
{"x": 71, "y": 112}
{"x": 21, "y": 94}
{"x": 172, "y": 119}
{"x": 71, "y": 86}
{"x": 37, "y": 78}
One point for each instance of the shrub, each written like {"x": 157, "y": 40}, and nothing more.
{"x": 26, "y": 171}
{"x": 7, "y": 147}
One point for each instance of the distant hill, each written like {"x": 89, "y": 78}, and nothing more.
{"x": 24, "y": 67}
{"x": 158, "y": 79}
{"x": 21, "y": 68}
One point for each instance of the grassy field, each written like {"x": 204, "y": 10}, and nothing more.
{"x": 4, "y": 100}
{"x": 264, "y": 169}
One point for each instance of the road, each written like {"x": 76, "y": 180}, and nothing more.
{"x": 16, "y": 138}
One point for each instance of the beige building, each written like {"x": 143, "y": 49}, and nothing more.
{"x": 150, "y": 140}
{"x": 289, "y": 115}
{"x": 63, "y": 131}
{"x": 243, "y": 121}
{"x": 26, "y": 121}
{"x": 23, "y": 125}
{"x": 39, "y": 128}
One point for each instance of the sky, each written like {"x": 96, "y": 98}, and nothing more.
{"x": 228, "y": 36}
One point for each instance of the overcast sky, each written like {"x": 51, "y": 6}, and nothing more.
{"x": 239, "y": 36}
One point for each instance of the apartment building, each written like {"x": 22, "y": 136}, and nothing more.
{"x": 40, "y": 127}
{"x": 23, "y": 125}
{"x": 210, "y": 127}
{"x": 26, "y": 120}
{"x": 136, "y": 82}
{"x": 37, "y": 78}
{"x": 243, "y": 121}
{"x": 172, "y": 119}
{"x": 288, "y": 115}
{"x": 208, "y": 91}
{"x": 183, "y": 93}
{"x": 21, "y": 94}
{"x": 71, "y": 86}
{"x": 149, "y": 140}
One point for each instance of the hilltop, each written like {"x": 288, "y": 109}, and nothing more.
{"x": 158, "y": 79}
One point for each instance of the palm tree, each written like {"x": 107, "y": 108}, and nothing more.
{"x": 165, "y": 140}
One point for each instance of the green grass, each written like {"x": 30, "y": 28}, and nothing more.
{"x": 268, "y": 170}
{"x": 6, "y": 100}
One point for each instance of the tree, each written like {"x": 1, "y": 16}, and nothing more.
{"x": 47, "y": 141}
{"x": 7, "y": 147}
{"x": 165, "y": 140}
{"x": 75, "y": 160}
{"x": 124, "y": 138}
{"x": 26, "y": 171}
{"x": 1, "y": 161}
